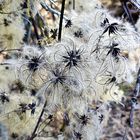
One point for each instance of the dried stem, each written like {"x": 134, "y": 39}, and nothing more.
{"x": 61, "y": 20}
{"x": 33, "y": 135}
{"x": 53, "y": 11}
{"x": 129, "y": 15}
{"x": 35, "y": 29}
{"x": 73, "y": 4}
{"x": 127, "y": 12}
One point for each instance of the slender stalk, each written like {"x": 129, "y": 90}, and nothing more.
{"x": 35, "y": 29}
{"x": 127, "y": 12}
{"x": 129, "y": 15}
{"x": 27, "y": 28}
{"x": 33, "y": 135}
{"x": 73, "y": 4}
{"x": 53, "y": 11}
{"x": 61, "y": 20}
{"x": 9, "y": 50}
{"x": 136, "y": 3}
{"x": 45, "y": 126}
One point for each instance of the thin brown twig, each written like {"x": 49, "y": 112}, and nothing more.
{"x": 61, "y": 20}
{"x": 35, "y": 29}
{"x": 33, "y": 135}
